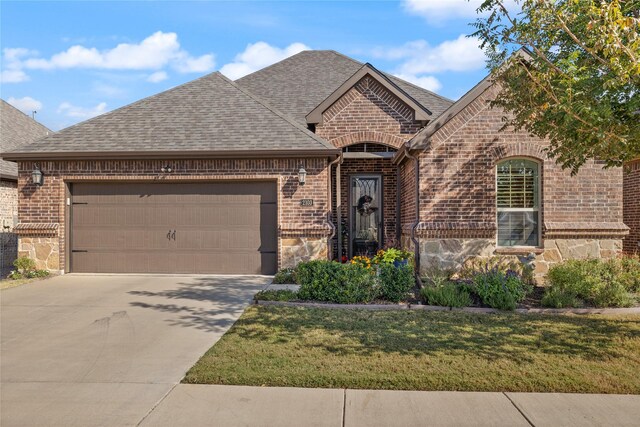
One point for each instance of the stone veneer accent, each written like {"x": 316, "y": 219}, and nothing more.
{"x": 299, "y": 249}
{"x": 46, "y": 205}
{"x": 8, "y": 215}
{"x": 450, "y": 254}
{"x": 45, "y": 251}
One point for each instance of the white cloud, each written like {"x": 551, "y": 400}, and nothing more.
{"x": 259, "y": 55}
{"x": 157, "y": 77}
{"x": 439, "y": 11}
{"x": 461, "y": 54}
{"x": 81, "y": 112}
{"x": 153, "y": 53}
{"x": 26, "y": 104}
{"x": 13, "y": 76}
{"x": 428, "y": 82}
{"x": 200, "y": 64}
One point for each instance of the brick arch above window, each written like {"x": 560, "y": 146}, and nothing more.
{"x": 519, "y": 149}
{"x": 368, "y": 136}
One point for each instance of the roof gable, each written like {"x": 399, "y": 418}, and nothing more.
{"x": 420, "y": 112}
{"x": 297, "y": 85}
{"x": 208, "y": 116}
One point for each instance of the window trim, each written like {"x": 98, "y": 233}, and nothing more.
{"x": 538, "y": 184}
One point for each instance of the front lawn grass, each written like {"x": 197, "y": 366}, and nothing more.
{"x": 416, "y": 350}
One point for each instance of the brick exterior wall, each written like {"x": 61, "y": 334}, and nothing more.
{"x": 457, "y": 190}
{"x": 8, "y": 215}
{"x": 300, "y": 227}
{"x": 631, "y": 193}
{"x": 368, "y": 112}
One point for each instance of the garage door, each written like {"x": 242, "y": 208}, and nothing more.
{"x": 223, "y": 228}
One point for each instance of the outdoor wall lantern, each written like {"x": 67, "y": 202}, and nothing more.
{"x": 37, "y": 176}
{"x": 302, "y": 175}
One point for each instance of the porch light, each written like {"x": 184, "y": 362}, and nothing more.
{"x": 302, "y": 175}
{"x": 37, "y": 176}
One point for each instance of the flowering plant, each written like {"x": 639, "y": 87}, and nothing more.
{"x": 364, "y": 261}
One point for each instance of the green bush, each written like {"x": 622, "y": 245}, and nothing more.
{"x": 592, "y": 282}
{"x": 24, "y": 264}
{"x": 26, "y": 269}
{"x": 447, "y": 294}
{"x": 276, "y": 295}
{"x": 500, "y": 290}
{"x": 333, "y": 282}
{"x": 285, "y": 276}
{"x": 395, "y": 282}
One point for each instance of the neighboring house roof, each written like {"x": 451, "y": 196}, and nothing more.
{"x": 421, "y": 113}
{"x": 16, "y": 129}
{"x": 298, "y": 84}
{"x": 207, "y": 116}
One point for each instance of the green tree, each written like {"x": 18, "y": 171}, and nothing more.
{"x": 575, "y": 78}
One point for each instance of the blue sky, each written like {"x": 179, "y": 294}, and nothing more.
{"x": 73, "y": 60}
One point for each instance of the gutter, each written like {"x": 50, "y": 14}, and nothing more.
{"x": 146, "y": 155}
{"x": 330, "y": 223}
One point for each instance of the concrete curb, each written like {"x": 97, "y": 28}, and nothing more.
{"x": 480, "y": 310}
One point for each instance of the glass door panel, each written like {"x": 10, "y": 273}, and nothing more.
{"x": 365, "y": 215}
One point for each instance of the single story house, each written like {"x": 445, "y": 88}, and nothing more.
{"x": 317, "y": 156}
{"x": 16, "y": 129}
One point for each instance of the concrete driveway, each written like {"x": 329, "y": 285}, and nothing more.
{"x": 104, "y": 350}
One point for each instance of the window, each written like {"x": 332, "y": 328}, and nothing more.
{"x": 518, "y": 194}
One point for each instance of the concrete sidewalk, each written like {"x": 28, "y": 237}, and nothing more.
{"x": 213, "y": 405}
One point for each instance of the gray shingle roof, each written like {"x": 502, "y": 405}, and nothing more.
{"x": 209, "y": 114}
{"x": 16, "y": 129}
{"x": 301, "y": 82}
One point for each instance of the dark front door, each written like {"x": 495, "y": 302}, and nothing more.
{"x": 213, "y": 227}
{"x": 365, "y": 214}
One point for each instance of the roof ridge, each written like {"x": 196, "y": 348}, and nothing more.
{"x": 389, "y": 75}
{"x": 275, "y": 63}
{"x": 108, "y": 113}
{"x": 419, "y": 87}
{"x": 275, "y": 111}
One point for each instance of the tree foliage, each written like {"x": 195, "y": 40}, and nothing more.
{"x": 575, "y": 78}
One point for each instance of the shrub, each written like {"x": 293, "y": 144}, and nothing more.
{"x": 333, "y": 282}
{"x": 24, "y": 264}
{"x": 447, "y": 294}
{"x": 502, "y": 290}
{"x": 593, "y": 282}
{"x": 504, "y": 264}
{"x": 276, "y": 295}
{"x": 395, "y": 282}
{"x": 285, "y": 276}
{"x": 26, "y": 269}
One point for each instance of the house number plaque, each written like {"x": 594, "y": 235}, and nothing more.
{"x": 306, "y": 202}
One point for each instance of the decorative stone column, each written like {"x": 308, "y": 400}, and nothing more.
{"x": 41, "y": 243}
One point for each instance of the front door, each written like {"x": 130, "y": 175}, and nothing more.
{"x": 365, "y": 215}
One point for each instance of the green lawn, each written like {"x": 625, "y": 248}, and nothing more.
{"x": 415, "y": 350}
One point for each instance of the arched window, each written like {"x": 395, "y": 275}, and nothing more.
{"x": 518, "y": 202}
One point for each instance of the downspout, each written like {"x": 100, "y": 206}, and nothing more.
{"x": 414, "y": 226}
{"x": 332, "y": 226}
{"x": 398, "y": 209}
